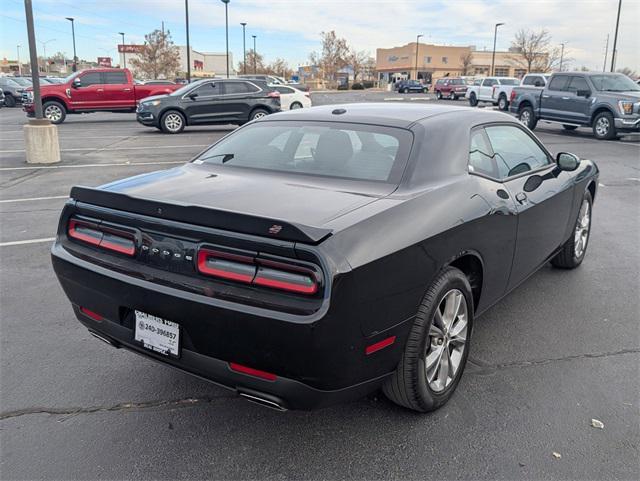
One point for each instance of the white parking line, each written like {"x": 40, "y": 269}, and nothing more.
{"x": 31, "y": 199}
{"x": 107, "y": 149}
{"x": 395, "y": 99}
{"x": 80, "y": 166}
{"x": 30, "y": 241}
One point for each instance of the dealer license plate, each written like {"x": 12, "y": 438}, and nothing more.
{"x": 157, "y": 334}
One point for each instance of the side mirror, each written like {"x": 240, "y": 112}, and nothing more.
{"x": 77, "y": 83}
{"x": 567, "y": 161}
{"x": 537, "y": 83}
{"x": 583, "y": 93}
{"x": 193, "y": 96}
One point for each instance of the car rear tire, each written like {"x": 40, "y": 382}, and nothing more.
{"x": 10, "y": 100}
{"x": 473, "y": 100}
{"x": 437, "y": 347}
{"x": 54, "y": 112}
{"x": 603, "y": 126}
{"x": 574, "y": 250}
{"x": 295, "y": 105}
{"x": 569, "y": 127}
{"x": 503, "y": 103}
{"x": 438, "y": 95}
{"x": 527, "y": 117}
{"x": 453, "y": 96}
{"x": 172, "y": 122}
{"x": 258, "y": 114}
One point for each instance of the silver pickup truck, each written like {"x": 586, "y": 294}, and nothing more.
{"x": 609, "y": 103}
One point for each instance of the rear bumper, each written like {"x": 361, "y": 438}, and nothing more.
{"x": 316, "y": 363}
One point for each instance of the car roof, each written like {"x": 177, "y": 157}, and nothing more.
{"x": 387, "y": 114}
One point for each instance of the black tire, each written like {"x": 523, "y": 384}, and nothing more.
{"x": 473, "y": 100}
{"x": 408, "y": 386}
{"x": 528, "y": 117}
{"x": 603, "y": 126}
{"x": 503, "y": 103}
{"x": 54, "y": 111}
{"x": 568, "y": 257}
{"x": 424, "y": 91}
{"x": 438, "y": 95}
{"x": 453, "y": 96}
{"x": 406, "y": 91}
{"x": 172, "y": 122}
{"x": 10, "y": 100}
{"x": 295, "y": 105}
{"x": 258, "y": 114}
{"x": 569, "y": 127}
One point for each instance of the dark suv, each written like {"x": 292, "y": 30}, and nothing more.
{"x": 406, "y": 86}
{"x": 209, "y": 101}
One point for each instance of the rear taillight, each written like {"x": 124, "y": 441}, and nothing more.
{"x": 274, "y": 93}
{"x": 102, "y": 236}
{"x": 256, "y": 271}
{"x": 512, "y": 96}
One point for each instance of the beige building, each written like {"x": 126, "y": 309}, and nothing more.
{"x": 437, "y": 61}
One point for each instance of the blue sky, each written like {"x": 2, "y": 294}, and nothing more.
{"x": 291, "y": 29}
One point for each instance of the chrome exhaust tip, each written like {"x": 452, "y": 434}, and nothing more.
{"x": 263, "y": 401}
{"x": 104, "y": 339}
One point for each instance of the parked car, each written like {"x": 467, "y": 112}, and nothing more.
{"x": 209, "y": 101}
{"x": 539, "y": 80}
{"x": 285, "y": 262}
{"x": 95, "y": 90}
{"x": 609, "y": 103}
{"x": 275, "y": 80}
{"x": 158, "y": 82}
{"x": 12, "y": 91}
{"x": 496, "y": 90}
{"x": 450, "y": 87}
{"x": 292, "y": 98}
{"x": 22, "y": 81}
{"x": 2, "y": 98}
{"x": 406, "y": 86}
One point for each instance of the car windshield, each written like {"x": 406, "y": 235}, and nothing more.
{"x": 509, "y": 81}
{"x": 342, "y": 150}
{"x": 614, "y": 83}
{"x": 10, "y": 83}
{"x": 456, "y": 81}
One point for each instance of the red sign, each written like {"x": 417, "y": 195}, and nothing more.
{"x": 104, "y": 62}
{"x": 130, "y": 48}
{"x": 198, "y": 65}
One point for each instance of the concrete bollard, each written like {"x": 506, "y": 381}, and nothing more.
{"x": 41, "y": 142}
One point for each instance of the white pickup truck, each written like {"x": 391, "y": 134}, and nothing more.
{"x": 496, "y": 90}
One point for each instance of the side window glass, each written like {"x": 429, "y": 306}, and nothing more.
{"x": 91, "y": 78}
{"x": 559, "y": 82}
{"x": 118, "y": 78}
{"x": 515, "y": 152}
{"x": 481, "y": 160}
{"x": 487, "y": 82}
{"x": 577, "y": 83}
{"x": 207, "y": 90}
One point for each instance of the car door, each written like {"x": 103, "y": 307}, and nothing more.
{"x": 543, "y": 196}
{"x": 577, "y": 100}
{"x": 553, "y": 105}
{"x": 486, "y": 89}
{"x": 89, "y": 92}
{"x": 202, "y": 104}
{"x": 237, "y": 99}
{"x": 118, "y": 92}
{"x": 287, "y": 95}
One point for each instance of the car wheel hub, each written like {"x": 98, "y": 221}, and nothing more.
{"x": 447, "y": 341}
{"x": 53, "y": 113}
{"x": 259, "y": 115}
{"x": 525, "y": 117}
{"x": 581, "y": 234}
{"x": 602, "y": 126}
{"x": 173, "y": 122}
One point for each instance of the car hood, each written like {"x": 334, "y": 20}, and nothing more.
{"x": 154, "y": 97}
{"x": 631, "y": 95}
{"x": 270, "y": 195}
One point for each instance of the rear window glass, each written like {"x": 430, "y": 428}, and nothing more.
{"x": 342, "y": 150}
{"x": 509, "y": 81}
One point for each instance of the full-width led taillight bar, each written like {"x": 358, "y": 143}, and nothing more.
{"x": 257, "y": 271}
{"x": 102, "y": 236}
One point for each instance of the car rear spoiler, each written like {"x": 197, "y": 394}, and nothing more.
{"x": 202, "y": 216}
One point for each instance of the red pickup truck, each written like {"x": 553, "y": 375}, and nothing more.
{"x": 95, "y": 90}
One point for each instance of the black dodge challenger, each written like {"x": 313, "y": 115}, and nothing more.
{"x": 313, "y": 256}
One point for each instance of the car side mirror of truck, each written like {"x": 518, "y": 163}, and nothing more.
{"x": 193, "y": 96}
{"x": 77, "y": 83}
{"x": 537, "y": 83}
{"x": 583, "y": 93}
{"x": 567, "y": 161}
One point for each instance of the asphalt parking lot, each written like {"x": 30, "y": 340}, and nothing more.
{"x": 561, "y": 350}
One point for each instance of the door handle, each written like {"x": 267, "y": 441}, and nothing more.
{"x": 545, "y": 96}
{"x": 126, "y": 90}
{"x": 99, "y": 90}
{"x": 521, "y": 197}
{"x": 565, "y": 98}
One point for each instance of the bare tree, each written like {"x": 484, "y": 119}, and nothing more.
{"x": 534, "y": 51}
{"x": 159, "y": 56}
{"x": 467, "y": 63}
{"x": 333, "y": 56}
{"x": 279, "y": 67}
{"x": 358, "y": 61}
{"x": 251, "y": 58}
{"x": 628, "y": 72}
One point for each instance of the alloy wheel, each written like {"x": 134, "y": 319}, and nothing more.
{"x": 525, "y": 117}
{"x": 53, "y": 113}
{"x": 502, "y": 103}
{"x": 603, "y": 126}
{"x": 259, "y": 115}
{"x": 581, "y": 234}
{"x": 447, "y": 341}
{"x": 173, "y": 122}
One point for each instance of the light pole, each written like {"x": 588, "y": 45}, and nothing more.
{"x": 74, "y": 67}
{"x": 493, "y": 56}
{"x": 19, "y": 66}
{"x": 124, "y": 53}
{"x": 226, "y": 25}
{"x": 44, "y": 52}
{"x": 614, "y": 52}
{"x": 244, "y": 48}
{"x": 186, "y": 14}
{"x": 254, "y": 55}
{"x": 606, "y": 51}
{"x": 561, "y": 55}
{"x": 417, "y": 48}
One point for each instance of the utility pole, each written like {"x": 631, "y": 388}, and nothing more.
{"x": 44, "y": 53}
{"x": 19, "y": 65}
{"x": 493, "y": 56}
{"x": 561, "y": 55}
{"x": 163, "y": 41}
{"x": 244, "y": 48}
{"x": 614, "y": 52}
{"x": 417, "y": 48}
{"x": 124, "y": 52}
{"x": 74, "y": 67}
{"x": 606, "y": 51}
{"x": 186, "y": 14}
{"x": 254, "y": 55}
{"x": 226, "y": 25}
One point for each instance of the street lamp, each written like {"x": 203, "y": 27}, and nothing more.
{"x": 561, "y": 55}
{"x": 186, "y": 15}
{"x": 226, "y": 24}
{"x": 19, "y": 66}
{"x": 493, "y": 56}
{"x": 614, "y": 52}
{"x": 244, "y": 48}
{"x": 417, "y": 48}
{"x": 254, "y": 54}
{"x": 124, "y": 54}
{"x": 44, "y": 52}
{"x": 74, "y": 67}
